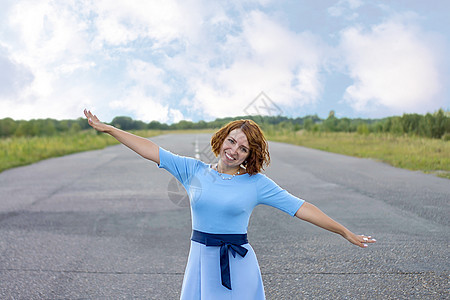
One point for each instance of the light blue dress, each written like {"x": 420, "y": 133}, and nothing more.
{"x": 223, "y": 207}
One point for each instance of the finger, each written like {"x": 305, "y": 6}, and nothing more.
{"x": 360, "y": 243}
{"x": 93, "y": 118}
{"x": 88, "y": 114}
{"x": 364, "y": 240}
{"x": 369, "y": 239}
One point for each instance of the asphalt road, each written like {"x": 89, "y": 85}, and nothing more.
{"x": 108, "y": 224}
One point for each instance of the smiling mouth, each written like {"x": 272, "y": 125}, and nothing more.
{"x": 229, "y": 157}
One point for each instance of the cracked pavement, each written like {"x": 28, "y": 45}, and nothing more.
{"x": 101, "y": 225}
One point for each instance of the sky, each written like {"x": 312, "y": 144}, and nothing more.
{"x": 198, "y": 60}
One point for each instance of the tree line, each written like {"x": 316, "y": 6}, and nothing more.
{"x": 431, "y": 125}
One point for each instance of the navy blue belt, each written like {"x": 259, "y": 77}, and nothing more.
{"x": 227, "y": 242}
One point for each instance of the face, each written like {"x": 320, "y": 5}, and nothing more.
{"x": 235, "y": 149}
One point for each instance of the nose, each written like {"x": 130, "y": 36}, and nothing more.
{"x": 234, "y": 149}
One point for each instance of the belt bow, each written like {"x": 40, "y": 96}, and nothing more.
{"x": 226, "y": 243}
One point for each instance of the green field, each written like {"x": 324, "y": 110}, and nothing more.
{"x": 19, "y": 151}
{"x": 414, "y": 153}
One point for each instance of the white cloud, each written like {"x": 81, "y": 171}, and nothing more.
{"x": 49, "y": 40}
{"x": 66, "y": 44}
{"x": 265, "y": 56}
{"x": 145, "y": 107}
{"x": 147, "y": 75}
{"x": 70, "y": 67}
{"x": 214, "y": 56}
{"x": 48, "y": 33}
{"x": 13, "y": 76}
{"x": 393, "y": 66}
{"x": 120, "y": 22}
{"x": 147, "y": 87}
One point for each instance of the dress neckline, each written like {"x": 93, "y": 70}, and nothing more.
{"x": 231, "y": 177}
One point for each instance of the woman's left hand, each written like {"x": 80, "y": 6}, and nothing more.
{"x": 362, "y": 241}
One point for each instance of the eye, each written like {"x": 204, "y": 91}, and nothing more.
{"x": 243, "y": 149}
{"x": 231, "y": 141}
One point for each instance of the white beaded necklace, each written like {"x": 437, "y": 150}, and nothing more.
{"x": 226, "y": 178}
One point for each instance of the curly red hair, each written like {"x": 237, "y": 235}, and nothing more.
{"x": 258, "y": 157}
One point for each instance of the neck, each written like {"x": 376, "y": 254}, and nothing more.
{"x": 224, "y": 170}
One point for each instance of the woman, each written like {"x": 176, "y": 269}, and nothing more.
{"x": 221, "y": 263}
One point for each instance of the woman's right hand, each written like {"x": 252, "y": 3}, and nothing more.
{"x": 142, "y": 146}
{"x": 95, "y": 122}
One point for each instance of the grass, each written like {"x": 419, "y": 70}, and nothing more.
{"x": 413, "y": 153}
{"x": 19, "y": 151}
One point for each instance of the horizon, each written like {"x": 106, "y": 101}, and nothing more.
{"x": 239, "y": 116}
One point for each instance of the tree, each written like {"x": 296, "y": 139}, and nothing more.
{"x": 396, "y": 126}
{"x": 124, "y": 123}
{"x": 343, "y": 125}
{"x": 25, "y": 128}
{"x": 308, "y": 124}
{"x": 439, "y": 124}
{"x": 7, "y": 127}
{"x": 47, "y": 127}
{"x": 183, "y": 124}
{"x": 75, "y": 127}
{"x": 362, "y": 128}
{"x": 330, "y": 124}
{"x": 410, "y": 123}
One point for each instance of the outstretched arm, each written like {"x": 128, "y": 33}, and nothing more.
{"x": 310, "y": 213}
{"x": 140, "y": 145}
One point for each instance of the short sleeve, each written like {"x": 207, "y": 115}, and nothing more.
{"x": 269, "y": 193}
{"x": 181, "y": 167}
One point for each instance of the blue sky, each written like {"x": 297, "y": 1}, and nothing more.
{"x": 199, "y": 60}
